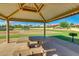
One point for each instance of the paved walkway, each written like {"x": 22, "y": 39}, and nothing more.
{"x": 64, "y": 48}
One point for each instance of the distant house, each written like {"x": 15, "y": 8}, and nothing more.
{"x": 76, "y": 25}
{"x": 2, "y": 28}
{"x": 53, "y": 25}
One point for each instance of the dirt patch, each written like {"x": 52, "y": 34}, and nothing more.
{"x": 11, "y": 40}
{"x": 26, "y": 32}
{"x": 37, "y": 32}
{"x": 12, "y": 32}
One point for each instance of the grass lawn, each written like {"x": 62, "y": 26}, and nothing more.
{"x": 64, "y": 35}
{"x": 19, "y": 36}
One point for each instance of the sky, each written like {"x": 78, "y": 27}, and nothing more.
{"x": 72, "y": 19}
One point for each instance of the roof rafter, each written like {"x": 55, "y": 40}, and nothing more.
{"x": 41, "y": 6}
{"x": 65, "y": 14}
{"x": 39, "y": 12}
{"x": 27, "y": 8}
{"x": 13, "y": 13}
{"x": 20, "y": 5}
{"x": 3, "y": 16}
{"x": 24, "y": 20}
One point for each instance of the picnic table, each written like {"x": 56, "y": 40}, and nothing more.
{"x": 29, "y": 51}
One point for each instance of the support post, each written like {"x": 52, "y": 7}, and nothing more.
{"x": 7, "y": 31}
{"x": 44, "y": 30}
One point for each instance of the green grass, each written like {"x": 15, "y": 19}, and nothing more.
{"x": 60, "y": 32}
{"x": 19, "y": 35}
{"x": 11, "y": 36}
{"x": 63, "y": 35}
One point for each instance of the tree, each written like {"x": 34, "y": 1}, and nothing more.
{"x": 64, "y": 25}
{"x": 17, "y": 26}
{"x": 11, "y": 27}
{"x": 71, "y": 24}
{"x": 25, "y": 27}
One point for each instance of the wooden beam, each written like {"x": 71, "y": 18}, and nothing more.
{"x": 40, "y": 7}
{"x": 3, "y": 16}
{"x": 25, "y": 20}
{"x": 13, "y": 13}
{"x": 37, "y": 8}
{"x": 39, "y": 12}
{"x": 42, "y": 16}
{"x": 32, "y": 9}
{"x": 21, "y": 5}
{"x": 65, "y": 14}
{"x": 27, "y": 8}
{"x": 7, "y": 32}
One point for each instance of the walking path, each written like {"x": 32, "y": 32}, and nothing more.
{"x": 63, "y": 48}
